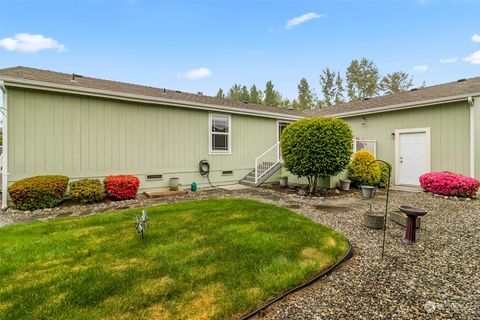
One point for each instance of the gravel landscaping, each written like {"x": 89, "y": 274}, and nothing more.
{"x": 439, "y": 277}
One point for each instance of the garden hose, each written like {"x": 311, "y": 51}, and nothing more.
{"x": 204, "y": 169}
{"x": 346, "y": 257}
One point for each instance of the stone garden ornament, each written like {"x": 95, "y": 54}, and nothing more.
{"x": 141, "y": 222}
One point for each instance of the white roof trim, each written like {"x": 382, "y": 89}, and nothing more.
{"x": 401, "y": 106}
{"x": 56, "y": 87}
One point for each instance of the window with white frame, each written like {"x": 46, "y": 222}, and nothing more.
{"x": 369, "y": 145}
{"x": 220, "y": 133}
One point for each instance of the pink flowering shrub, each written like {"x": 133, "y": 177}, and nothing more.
{"x": 449, "y": 184}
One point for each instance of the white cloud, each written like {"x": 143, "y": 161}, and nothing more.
{"x": 449, "y": 60}
{"x": 421, "y": 68}
{"x": 29, "y": 43}
{"x": 476, "y": 38}
{"x": 474, "y": 58}
{"x": 302, "y": 19}
{"x": 198, "y": 73}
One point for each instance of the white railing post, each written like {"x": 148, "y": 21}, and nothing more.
{"x": 266, "y": 161}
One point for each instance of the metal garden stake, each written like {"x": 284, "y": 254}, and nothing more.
{"x": 386, "y": 202}
{"x": 141, "y": 222}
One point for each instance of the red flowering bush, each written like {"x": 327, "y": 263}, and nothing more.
{"x": 449, "y": 184}
{"x": 121, "y": 187}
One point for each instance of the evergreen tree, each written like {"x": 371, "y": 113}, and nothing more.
{"x": 339, "y": 99}
{"x": 235, "y": 92}
{"x": 395, "y": 82}
{"x": 362, "y": 79}
{"x": 244, "y": 94}
{"x": 255, "y": 95}
{"x": 271, "y": 96}
{"x": 305, "y": 96}
{"x": 220, "y": 94}
{"x": 327, "y": 85}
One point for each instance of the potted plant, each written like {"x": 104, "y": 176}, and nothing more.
{"x": 365, "y": 172}
{"x": 345, "y": 184}
{"x": 283, "y": 180}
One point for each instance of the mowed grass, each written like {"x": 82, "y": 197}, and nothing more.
{"x": 209, "y": 259}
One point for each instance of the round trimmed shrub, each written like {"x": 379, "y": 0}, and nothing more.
{"x": 121, "y": 187}
{"x": 38, "y": 192}
{"x": 363, "y": 170}
{"x": 316, "y": 148}
{"x": 87, "y": 191}
{"x": 449, "y": 184}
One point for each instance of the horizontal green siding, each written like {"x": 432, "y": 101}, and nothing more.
{"x": 79, "y": 136}
{"x": 449, "y": 125}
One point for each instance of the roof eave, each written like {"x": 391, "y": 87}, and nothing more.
{"x": 402, "y": 106}
{"x": 57, "y": 87}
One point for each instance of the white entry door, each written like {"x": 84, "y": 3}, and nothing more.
{"x": 413, "y": 158}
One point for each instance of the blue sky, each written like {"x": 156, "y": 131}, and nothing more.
{"x": 201, "y": 46}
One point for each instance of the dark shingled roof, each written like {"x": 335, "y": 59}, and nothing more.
{"x": 94, "y": 83}
{"x": 463, "y": 87}
{"x": 457, "y": 88}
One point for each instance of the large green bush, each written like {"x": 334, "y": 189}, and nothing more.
{"x": 87, "y": 191}
{"x": 363, "y": 170}
{"x": 38, "y": 192}
{"x": 316, "y": 148}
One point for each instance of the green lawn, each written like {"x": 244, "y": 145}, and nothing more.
{"x": 209, "y": 259}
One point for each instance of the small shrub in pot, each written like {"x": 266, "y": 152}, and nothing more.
{"x": 87, "y": 191}
{"x": 121, "y": 187}
{"x": 283, "y": 180}
{"x": 38, "y": 192}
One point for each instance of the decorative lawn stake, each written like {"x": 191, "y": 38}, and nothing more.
{"x": 386, "y": 202}
{"x": 141, "y": 222}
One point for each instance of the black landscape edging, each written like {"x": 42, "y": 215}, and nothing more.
{"x": 346, "y": 257}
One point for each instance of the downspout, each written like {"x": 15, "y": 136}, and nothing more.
{"x": 472, "y": 136}
{"x": 5, "y": 147}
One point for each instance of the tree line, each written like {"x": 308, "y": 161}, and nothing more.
{"x": 362, "y": 80}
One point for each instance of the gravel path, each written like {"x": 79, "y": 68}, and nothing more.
{"x": 437, "y": 278}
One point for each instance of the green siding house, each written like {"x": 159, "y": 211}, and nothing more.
{"x": 57, "y": 123}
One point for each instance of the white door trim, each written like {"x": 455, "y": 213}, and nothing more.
{"x": 398, "y": 132}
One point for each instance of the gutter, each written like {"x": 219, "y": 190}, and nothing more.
{"x": 56, "y": 87}
{"x": 402, "y": 106}
{"x": 5, "y": 148}
{"x": 471, "y": 102}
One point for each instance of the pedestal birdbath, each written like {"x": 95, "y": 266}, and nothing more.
{"x": 412, "y": 214}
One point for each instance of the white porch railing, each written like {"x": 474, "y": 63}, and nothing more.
{"x": 267, "y": 160}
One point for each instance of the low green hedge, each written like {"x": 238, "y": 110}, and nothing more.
{"x": 38, "y": 192}
{"x": 87, "y": 191}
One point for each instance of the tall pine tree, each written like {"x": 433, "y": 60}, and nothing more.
{"x": 235, "y": 92}
{"x": 271, "y": 96}
{"x": 305, "y": 96}
{"x": 255, "y": 95}
{"x": 220, "y": 94}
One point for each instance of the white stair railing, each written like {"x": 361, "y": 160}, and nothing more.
{"x": 266, "y": 161}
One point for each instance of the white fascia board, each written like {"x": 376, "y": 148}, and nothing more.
{"x": 402, "y": 106}
{"x": 56, "y": 87}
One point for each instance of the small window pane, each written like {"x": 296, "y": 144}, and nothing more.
{"x": 369, "y": 145}
{"x": 219, "y": 124}
{"x": 220, "y": 142}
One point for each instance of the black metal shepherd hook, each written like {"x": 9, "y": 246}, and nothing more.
{"x": 389, "y": 166}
